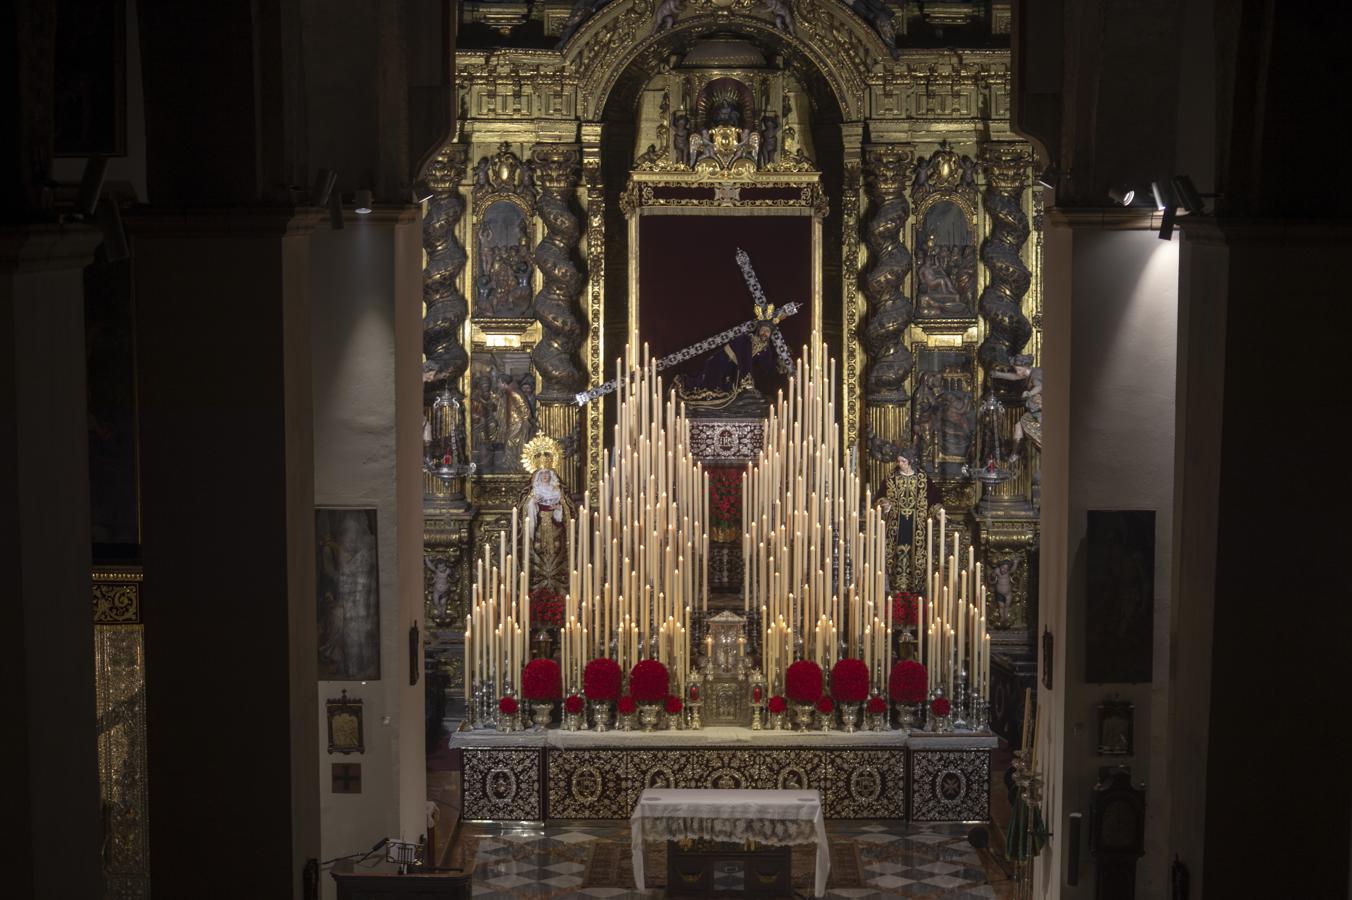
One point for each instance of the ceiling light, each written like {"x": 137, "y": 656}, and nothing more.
{"x": 362, "y": 200}
{"x": 1167, "y": 223}
{"x": 1122, "y": 195}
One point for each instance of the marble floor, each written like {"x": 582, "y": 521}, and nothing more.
{"x": 896, "y": 861}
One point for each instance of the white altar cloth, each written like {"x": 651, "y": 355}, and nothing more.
{"x": 769, "y": 817}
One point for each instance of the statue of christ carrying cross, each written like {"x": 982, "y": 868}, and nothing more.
{"x": 738, "y": 353}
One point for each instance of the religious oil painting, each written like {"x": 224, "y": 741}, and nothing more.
{"x": 1115, "y": 728}
{"x": 502, "y": 268}
{"x": 501, "y": 410}
{"x": 346, "y": 733}
{"x": 943, "y": 412}
{"x": 348, "y": 584}
{"x": 945, "y": 265}
{"x": 1121, "y": 595}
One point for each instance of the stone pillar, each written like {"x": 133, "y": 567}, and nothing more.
{"x": 886, "y": 169}
{"x": 52, "y": 816}
{"x": 367, "y": 360}
{"x": 227, "y": 501}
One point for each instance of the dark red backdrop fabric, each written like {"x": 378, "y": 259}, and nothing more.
{"x": 690, "y": 286}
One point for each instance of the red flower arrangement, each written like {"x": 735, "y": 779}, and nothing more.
{"x": 849, "y": 680}
{"x": 908, "y": 682}
{"x": 803, "y": 681}
{"x": 725, "y": 497}
{"x": 546, "y": 607}
{"x": 601, "y": 679}
{"x": 876, "y": 706}
{"x": 940, "y": 706}
{"x": 626, "y": 706}
{"x": 507, "y": 706}
{"x": 673, "y": 705}
{"x": 777, "y": 704}
{"x": 573, "y": 705}
{"x": 649, "y": 681}
{"x": 542, "y": 681}
{"x": 905, "y": 608}
{"x": 826, "y": 706}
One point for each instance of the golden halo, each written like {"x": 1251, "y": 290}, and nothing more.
{"x": 536, "y": 449}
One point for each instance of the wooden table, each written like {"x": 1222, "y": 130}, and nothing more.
{"x": 776, "y": 818}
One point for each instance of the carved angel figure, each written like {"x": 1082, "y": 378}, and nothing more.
{"x": 666, "y": 14}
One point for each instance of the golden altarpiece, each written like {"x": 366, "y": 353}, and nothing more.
{"x": 606, "y": 157}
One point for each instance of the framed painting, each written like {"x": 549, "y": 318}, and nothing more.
{"x": 1116, "y": 719}
{"x": 348, "y": 585}
{"x": 1120, "y": 608}
{"x": 346, "y": 731}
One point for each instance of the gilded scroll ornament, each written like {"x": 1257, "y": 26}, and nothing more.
{"x": 891, "y": 312}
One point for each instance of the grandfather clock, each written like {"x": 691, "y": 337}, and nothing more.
{"x": 1116, "y": 835}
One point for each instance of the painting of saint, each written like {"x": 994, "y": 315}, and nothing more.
{"x": 348, "y": 585}
{"x": 502, "y": 269}
{"x": 945, "y": 265}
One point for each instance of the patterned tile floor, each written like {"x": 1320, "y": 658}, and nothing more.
{"x": 897, "y": 861}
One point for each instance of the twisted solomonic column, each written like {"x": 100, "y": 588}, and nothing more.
{"x": 556, "y": 174}
{"x": 890, "y": 311}
{"x": 446, "y": 306}
{"x": 1007, "y": 328}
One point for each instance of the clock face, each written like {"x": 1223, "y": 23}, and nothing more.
{"x": 1117, "y": 826}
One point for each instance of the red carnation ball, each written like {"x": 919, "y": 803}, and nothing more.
{"x": 542, "y": 681}
{"x": 673, "y": 704}
{"x": 849, "y": 680}
{"x": 908, "y": 682}
{"x": 601, "y": 679}
{"x": 777, "y": 704}
{"x": 876, "y": 706}
{"x": 507, "y": 706}
{"x": 803, "y": 681}
{"x": 626, "y": 705}
{"x": 941, "y": 707}
{"x": 573, "y": 705}
{"x": 649, "y": 682}
{"x": 826, "y": 706}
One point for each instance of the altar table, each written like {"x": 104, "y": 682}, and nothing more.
{"x": 532, "y": 776}
{"x": 767, "y": 817}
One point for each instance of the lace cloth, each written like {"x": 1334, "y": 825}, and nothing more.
{"x": 770, "y": 817}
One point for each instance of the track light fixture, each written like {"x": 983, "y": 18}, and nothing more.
{"x": 1122, "y": 194}
{"x": 1187, "y": 195}
{"x": 1164, "y": 195}
{"x": 362, "y": 201}
{"x": 322, "y": 187}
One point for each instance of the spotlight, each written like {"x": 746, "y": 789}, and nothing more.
{"x": 1122, "y": 195}
{"x": 422, "y": 191}
{"x": 362, "y": 200}
{"x": 322, "y": 187}
{"x": 1187, "y": 195}
{"x": 1164, "y": 195}
{"x": 335, "y": 212}
{"x": 114, "y": 235}
{"x": 1167, "y": 223}
{"x": 91, "y": 185}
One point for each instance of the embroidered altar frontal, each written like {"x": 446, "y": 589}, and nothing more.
{"x": 559, "y": 775}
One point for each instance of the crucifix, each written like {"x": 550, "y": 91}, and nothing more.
{"x": 766, "y": 313}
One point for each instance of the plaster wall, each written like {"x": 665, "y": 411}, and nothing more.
{"x": 1114, "y": 295}
{"x": 367, "y": 376}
